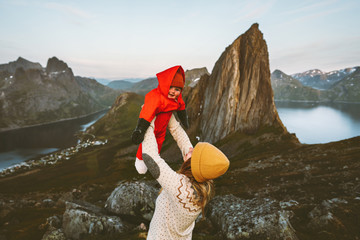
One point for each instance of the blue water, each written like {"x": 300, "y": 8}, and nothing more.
{"x": 320, "y": 123}
{"x": 24, "y": 144}
{"x": 312, "y": 123}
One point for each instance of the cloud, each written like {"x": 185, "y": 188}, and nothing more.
{"x": 315, "y": 11}
{"x": 255, "y": 9}
{"x": 69, "y": 10}
{"x": 326, "y": 56}
{"x": 311, "y": 7}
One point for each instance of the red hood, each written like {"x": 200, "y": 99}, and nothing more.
{"x": 165, "y": 78}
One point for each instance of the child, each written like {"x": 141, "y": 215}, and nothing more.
{"x": 160, "y": 102}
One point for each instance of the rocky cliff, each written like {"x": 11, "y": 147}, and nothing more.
{"x": 30, "y": 94}
{"x": 238, "y": 96}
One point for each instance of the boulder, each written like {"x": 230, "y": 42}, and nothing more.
{"x": 84, "y": 219}
{"x": 257, "y": 218}
{"x": 133, "y": 199}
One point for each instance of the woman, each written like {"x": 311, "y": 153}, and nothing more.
{"x": 184, "y": 194}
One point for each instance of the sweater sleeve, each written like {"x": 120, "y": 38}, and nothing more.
{"x": 179, "y": 135}
{"x": 159, "y": 169}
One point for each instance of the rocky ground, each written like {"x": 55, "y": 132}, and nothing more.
{"x": 274, "y": 189}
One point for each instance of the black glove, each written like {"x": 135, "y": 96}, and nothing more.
{"x": 138, "y": 134}
{"x": 183, "y": 118}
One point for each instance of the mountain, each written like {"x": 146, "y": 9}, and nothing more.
{"x": 193, "y": 75}
{"x": 144, "y": 86}
{"x": 346, "y": 90}
{"x": 103, "y": 81}
{"x": 31, "y": 94}
{"x": 11, "y": 67}
{"x": 241, "y": 88}
{"x": 287, "y": 88}
{"x": 120, "y": 84}
{"x": 316, "y": 78}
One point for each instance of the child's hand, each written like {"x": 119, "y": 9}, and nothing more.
{"x": 188, "y": 155}
{"x": 138, "y": 135}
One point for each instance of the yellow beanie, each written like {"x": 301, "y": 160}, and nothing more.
{"x": 208, "y": 162}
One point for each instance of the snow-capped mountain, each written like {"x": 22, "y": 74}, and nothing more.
{"x": 316, "y": 78}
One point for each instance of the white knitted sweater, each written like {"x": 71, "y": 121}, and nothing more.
{"x": 175, "y": 212}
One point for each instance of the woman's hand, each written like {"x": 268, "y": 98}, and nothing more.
{"x": 188, "y": 155}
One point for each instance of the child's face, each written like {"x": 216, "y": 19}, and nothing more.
{"x": 174, "y": 92}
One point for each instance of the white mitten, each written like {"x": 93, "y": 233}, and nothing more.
{"x": 140, "y": 166}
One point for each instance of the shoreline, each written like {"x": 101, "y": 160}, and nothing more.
{"x": 58, "y": 121}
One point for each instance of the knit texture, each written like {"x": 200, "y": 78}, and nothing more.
{"x": 175, "y": 211}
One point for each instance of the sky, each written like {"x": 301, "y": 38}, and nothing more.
{"x": 118, "y": 39}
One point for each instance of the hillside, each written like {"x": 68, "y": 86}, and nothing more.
{"x": 287, "y": 88}
{"x": 31, "y": 95}
{"x": 346, "y": 90}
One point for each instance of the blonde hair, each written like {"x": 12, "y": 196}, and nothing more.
{"x": 204, "y": 191}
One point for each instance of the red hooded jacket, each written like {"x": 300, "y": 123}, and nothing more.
{"x": 158, "y": 104}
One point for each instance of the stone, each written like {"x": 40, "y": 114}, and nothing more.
{"x": 134, "y": 199}
{"x": 251, "y": 218}
{"x": 83, "y": 219}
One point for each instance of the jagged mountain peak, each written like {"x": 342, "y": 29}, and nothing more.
{"x": 56, "y": 65}
{"x": 237, "y": 95}
{"x": 277, "y": 73}
{"x": 21, "y": 62}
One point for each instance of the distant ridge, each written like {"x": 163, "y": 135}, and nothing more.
{"x": 316, "y": 78}
{"x": 33, "y": 95}
{"x": 316, "y": 86}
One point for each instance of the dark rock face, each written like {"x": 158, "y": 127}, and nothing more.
{"x": 238, "y": 93}
{"x": 56, "y": 65}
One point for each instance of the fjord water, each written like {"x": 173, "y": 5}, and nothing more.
{"x": 23, "y": 144}
{"x": 311, "y": 122}
{"x": 320, "y": 123}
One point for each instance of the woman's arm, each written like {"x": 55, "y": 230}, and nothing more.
{"x": 180, "y": 136}
{"x": 158, "y": 168}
